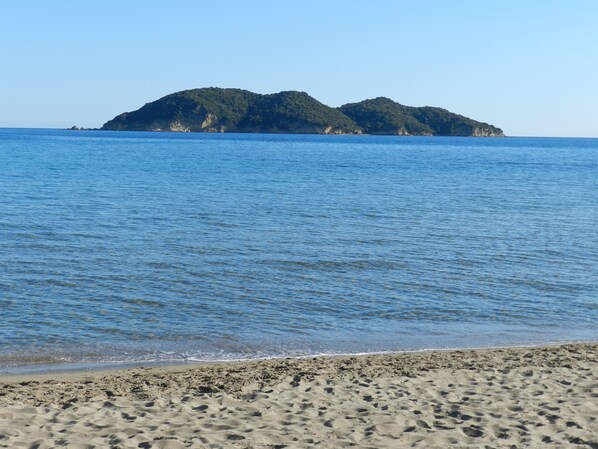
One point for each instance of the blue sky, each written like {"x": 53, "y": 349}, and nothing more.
{"x": 530, "y": 67}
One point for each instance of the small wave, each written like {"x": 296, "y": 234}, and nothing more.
{"x": 359, "y": 264}
{"x": 46, "y": 364}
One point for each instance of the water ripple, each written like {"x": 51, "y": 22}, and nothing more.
{"x": 133, "y": 246}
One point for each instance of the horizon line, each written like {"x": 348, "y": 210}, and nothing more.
{"x": 376, "y": 135}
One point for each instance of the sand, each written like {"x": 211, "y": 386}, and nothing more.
{"x": 516, "y": 397}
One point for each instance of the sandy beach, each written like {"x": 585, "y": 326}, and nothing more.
{"x": 515, "y": 397}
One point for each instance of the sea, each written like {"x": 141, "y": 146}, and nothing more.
{"x": 129, "y": 248}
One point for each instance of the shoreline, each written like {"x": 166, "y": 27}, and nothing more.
{"x": 530, "y": 396}
{"x": 454, "y": 358}
{"x": 74, "y": 368}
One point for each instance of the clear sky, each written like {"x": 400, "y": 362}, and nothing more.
{"x": 529, "y": 67}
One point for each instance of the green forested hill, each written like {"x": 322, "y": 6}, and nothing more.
{"x": 209, "y": 109}
{"x": 294, "y": 112}
{"x": 383, "y": 116}
{"x": 235, "y": 110}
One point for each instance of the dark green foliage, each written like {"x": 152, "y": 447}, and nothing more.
{"x": 235, "y": 110}
{"x": 189, "y": 109}
{"x": 446, "y": 123}
{"x": 293, "y": 111}
{"x": 384, "y": 116}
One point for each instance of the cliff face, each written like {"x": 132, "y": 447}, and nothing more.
{"x": 487, "y": 132}
{"x": 235, "y": 110}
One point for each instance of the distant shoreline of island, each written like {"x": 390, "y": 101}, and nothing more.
{"x": 219, "y": 110}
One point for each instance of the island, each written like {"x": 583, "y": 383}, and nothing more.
{"x": 216, "y": 109}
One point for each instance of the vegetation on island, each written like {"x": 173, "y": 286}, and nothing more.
{"x": 235, "y": 110}
{"x": 294, "y": 112}
{"x": 383, "y": 116}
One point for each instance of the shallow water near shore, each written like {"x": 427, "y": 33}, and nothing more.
{"x": 148, "y": 247}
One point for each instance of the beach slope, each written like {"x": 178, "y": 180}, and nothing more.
{"x": 515, "y": 397}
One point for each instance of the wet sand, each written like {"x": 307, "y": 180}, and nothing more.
{"x": 513, "y": 397}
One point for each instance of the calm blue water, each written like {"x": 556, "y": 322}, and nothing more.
{"x": 128, "y": 247}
